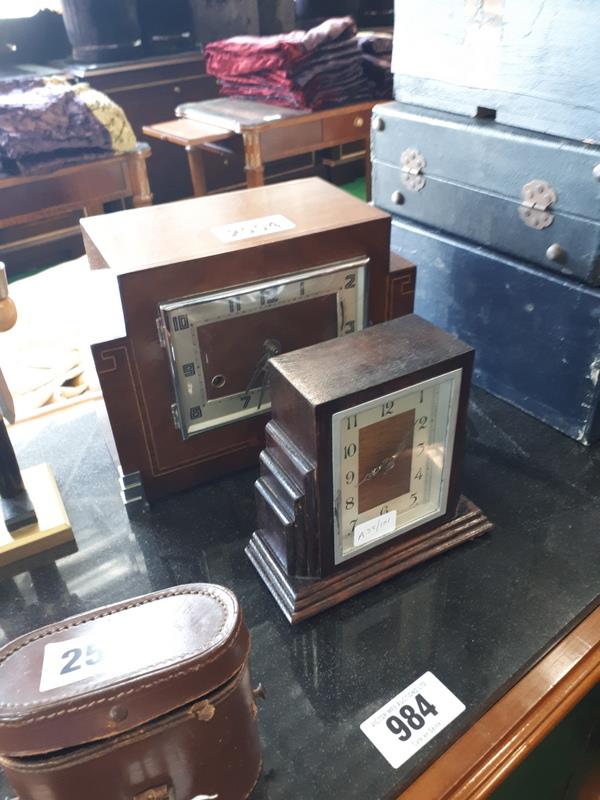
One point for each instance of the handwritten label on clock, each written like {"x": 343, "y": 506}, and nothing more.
{"x": 404, "y": 725}
{"x": 262, "y": 226}
{"x": 71, "y": 661}
{"x": 374, "y": 528}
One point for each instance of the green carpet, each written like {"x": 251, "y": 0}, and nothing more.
{"x": 357, "y": 188}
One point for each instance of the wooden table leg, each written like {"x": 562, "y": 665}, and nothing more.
{"x": 138, "y": 176}
{"x": 196, "y": 164}
{"x": 255, "y": 169}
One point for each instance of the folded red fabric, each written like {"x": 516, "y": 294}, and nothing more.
{"x": 304, "y": 69}
{"x": 242, "y": 53}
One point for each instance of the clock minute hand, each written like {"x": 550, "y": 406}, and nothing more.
{"x": 387, "y": 464}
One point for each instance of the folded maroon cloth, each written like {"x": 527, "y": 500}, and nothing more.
{"x": 242, "y": 54}
{"x": 311, "y": 69}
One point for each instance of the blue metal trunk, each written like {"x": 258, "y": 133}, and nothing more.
{"x": 526, "y": 195}
{"x": 536, "y": 335}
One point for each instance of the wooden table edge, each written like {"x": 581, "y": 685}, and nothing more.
{"x": 167, "y": 131}
{"x": 312, "y": 116}
{"x": 501, "y": 739}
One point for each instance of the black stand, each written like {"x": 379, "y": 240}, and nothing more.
{"x": 17, "y": 508}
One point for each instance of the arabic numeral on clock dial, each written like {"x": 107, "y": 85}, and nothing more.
{"x": 422, "y": 423}
{"x": 349, "y": 503}
{"x": 419, "y": 474}
{"x": 350, "y": 281}
{"x": 387, "y": 408}
{"x": 350, "y": 477}
{"x": 350, "y": 450}
{"x": 235, "y": 304}
{"x": 351, "y": 422}
{"x": 181, "y": 322}
{"x": 245, "y": 399}
{"x": 350, "y": 326}
{"x": 268, "y": 296}
{"x": 195, "y": 412}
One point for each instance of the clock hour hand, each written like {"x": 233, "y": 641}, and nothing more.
{"x": 387, "y": 464}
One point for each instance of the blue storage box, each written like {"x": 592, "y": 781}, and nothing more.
{"x": 536, "y": 335}
{"x": 532, "y": 63}
{"x": 527, "y": 195}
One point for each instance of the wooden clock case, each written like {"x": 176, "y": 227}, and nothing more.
{"x": 293, "y": 547}
{"x": 169, "y": 252}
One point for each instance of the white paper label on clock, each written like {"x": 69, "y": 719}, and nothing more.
{"x": 71, "y": 661}
{"x": 404, "y": 725}
{"x": 374, "y": 528}
{"x": 238, "y": 231}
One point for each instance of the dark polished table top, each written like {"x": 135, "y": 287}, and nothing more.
{"x": 477, "y": 617}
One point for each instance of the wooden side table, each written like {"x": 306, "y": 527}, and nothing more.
{"x": 504, "y": 736}
{"x": 41, "y": 212}
{"x": 266, "y": 141}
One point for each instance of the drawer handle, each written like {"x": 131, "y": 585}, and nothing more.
{"x": 177, "y": 89}
{"x": 358, "y": 122}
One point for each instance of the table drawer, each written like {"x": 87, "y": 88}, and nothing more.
{"x": 348, "y": 127}
{"x": 98, "y": 181}
{"x": 140, "y": 74}
{"x": 290, "y": 139}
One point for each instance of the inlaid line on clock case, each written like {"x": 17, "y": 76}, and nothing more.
{"x": 410, "y": 382}
{"x": 163, "y": 255}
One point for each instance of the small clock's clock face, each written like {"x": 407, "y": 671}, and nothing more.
{"x": 218, "y": 344}
{"x": 391, "y": 463}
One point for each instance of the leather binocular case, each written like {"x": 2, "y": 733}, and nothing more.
{"x": 149, "y": 699}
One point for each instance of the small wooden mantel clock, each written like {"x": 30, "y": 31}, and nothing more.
{"x": 210, "y": 289}
{"x": 360, "y": 475}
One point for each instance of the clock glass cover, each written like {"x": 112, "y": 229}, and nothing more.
{"x": 218, "y": 344}
{"x": 391, "y": 463}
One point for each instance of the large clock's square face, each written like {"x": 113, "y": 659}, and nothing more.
{"x": 391, "y": 463}
{"x": 218, "y": 344}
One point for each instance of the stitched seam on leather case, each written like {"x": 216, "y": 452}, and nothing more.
{"x": 118, "y": 696}
{"x": 92, "y": 687}
{"x": 117, "y": 741}
{"x": 109, "y": 612}
{"x": 92, "y": 617}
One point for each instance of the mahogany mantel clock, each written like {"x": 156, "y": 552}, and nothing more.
{"x": 359, "y": 478}
{"x": 210, "y": 289}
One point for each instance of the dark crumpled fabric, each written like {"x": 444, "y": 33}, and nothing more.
{"x": 40, "y": 117}
{"x": 242, "y": 54}
{"x": 314, "y": 69}
{"x": 44, "y": 163}
{"x": 377, "y": 63}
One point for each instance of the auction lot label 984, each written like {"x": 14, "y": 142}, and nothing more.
{"x": 411, "y": 719}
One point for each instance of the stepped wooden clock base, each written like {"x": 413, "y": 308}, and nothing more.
{"x": 52, "y": 527}
{"x": 301, "y": 598}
